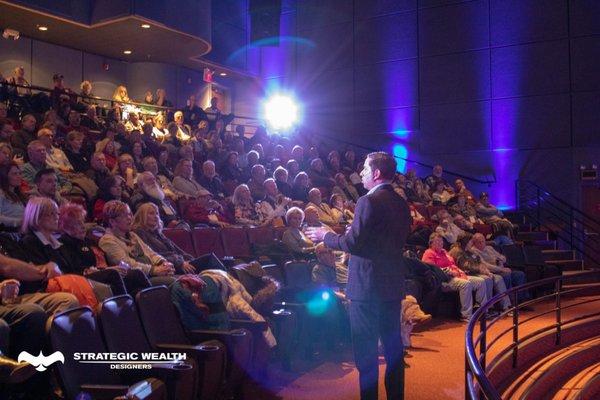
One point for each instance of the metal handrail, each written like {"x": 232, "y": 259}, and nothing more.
{"x": 111, "y": 101}
{"x": 477, "y": 383}
{"x": 558, "y": 199}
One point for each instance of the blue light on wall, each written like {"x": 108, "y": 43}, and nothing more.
{"x": 400, "y": 152}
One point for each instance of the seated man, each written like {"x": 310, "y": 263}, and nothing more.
{"x": 55, "y": 157}
{"x": 495, "y": 261}
{"x": 149, "y": 191}
{"x": 452, "y": 233}
{"x": 150, "y": 164}
{"x": 46, "y": 184}
{"x": 490, "y": 214}
{"x": 184, "y": 179}
{"x": 326, "y": 215}
{"x": 210, "y": 180}
{"x": 327, "y": 272}
{"x": 27, "y": 316}
{"x": 36, "y": 152}
{"x": 257, "y": 179}
{"x": 274, "y": 205}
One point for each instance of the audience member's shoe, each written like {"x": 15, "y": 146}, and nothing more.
{"x": 412, "y": 312}
{"x": 12, "y": 371}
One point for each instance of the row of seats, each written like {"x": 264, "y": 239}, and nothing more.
{"x": 217, "y": 361}
{"x": 234, "y": 242}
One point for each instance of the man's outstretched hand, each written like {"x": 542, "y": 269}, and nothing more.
{"x": 317, "y": 234}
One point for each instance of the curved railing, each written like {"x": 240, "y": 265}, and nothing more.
{"x": 477, "y": 382}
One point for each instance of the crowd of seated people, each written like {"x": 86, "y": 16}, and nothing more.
{"x": 72, "y": 178}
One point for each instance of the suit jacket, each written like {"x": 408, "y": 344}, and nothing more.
{"x": 375, "y": 241}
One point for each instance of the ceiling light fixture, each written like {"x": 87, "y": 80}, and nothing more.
{"x": 127, "y": 52}
{"x": 145, "y": 26}
{"x": 42, "y": 28}
{"x": 223, "y": 74}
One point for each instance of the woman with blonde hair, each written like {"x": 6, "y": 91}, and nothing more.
{"x": 126, "y": 169}
{"x": 120, "y": 243}
{"x": 149, "y": 227}
{"x": 120, "y": 94}
{"x": 293, "y": 237}
{"x": 245, "y": 208}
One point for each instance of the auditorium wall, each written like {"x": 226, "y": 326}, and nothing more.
{"x": 504, "y": 88}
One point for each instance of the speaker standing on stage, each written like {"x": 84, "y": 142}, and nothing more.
{"x": 376, "y": 275}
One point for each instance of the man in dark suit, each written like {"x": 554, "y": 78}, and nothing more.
{"x": 376, "y": 275}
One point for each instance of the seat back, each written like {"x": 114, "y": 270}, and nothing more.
{"x": 76, "y": 331}
{"x": 159, "y": 316}
{"x": 297, "y": 275}
{"x": 235, "y": 242}
{"x": 514, "y": 255}
{"x": 207, "y": 240}
{"x": 263, "y": 235}
{"x": 182, "y": 238}
{"x": 121, "y": 326}
{"x": 274, "y": 271}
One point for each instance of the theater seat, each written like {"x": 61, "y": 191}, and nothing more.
{"x": 208, "y": 240}
{"x": 236, "y": 243}
{"x": 182, "y": 238}
{"x": 118, "y": 315}
{"x": 263, "y": 235}
{"x": 75, "y": 331}
{"x": 165, "y": 331}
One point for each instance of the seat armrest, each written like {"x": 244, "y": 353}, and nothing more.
{"x": 202, "y": 335}
{"x": 102, "y": 392}
{"x": 248, "y": 324}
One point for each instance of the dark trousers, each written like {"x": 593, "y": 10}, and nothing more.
{"x": 370, "y": 321}
{"x": 207, "y": 261}
{"x": 133, "y": 281}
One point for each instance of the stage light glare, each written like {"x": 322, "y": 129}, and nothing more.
{"x": 281, "y": 112}
{"x": 325, "y": 296}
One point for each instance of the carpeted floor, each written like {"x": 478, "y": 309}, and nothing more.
{"x": 435, "y": 367}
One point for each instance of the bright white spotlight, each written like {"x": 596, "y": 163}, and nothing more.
{"x": 281, "y": 112}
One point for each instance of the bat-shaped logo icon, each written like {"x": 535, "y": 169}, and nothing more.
{"x": 41, "y": 362}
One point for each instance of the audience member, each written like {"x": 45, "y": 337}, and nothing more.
{"x": 12, "y": 200}
{"x": 293, "y": 237}
{"x": 467, "y": 286}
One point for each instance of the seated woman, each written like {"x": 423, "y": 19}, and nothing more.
{"x": 293, "y": 237}
{"x": 111, "y": 188}
{"x": 78, "y": 252}
{"x": 12, "y": 201}
{"x": 108, "y": 147}
{"x": 125, "y": 168}
{"x": 121, "y": 244}
{"x": 458, "y": 279}
{"x": 245, "y": 209}
{"x": 148, "y": 226}
{"x": 73, "y": 150}
{"x": 300, "y": 187}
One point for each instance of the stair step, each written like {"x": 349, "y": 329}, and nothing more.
{"x": 585, "y": 382}
{"x": 532, "y": 236}
{"x": 558, "y": 255}
{"x": 569, "y": 265}
{"x": 557, "y": 368}
{"x": 544, "y": 244}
